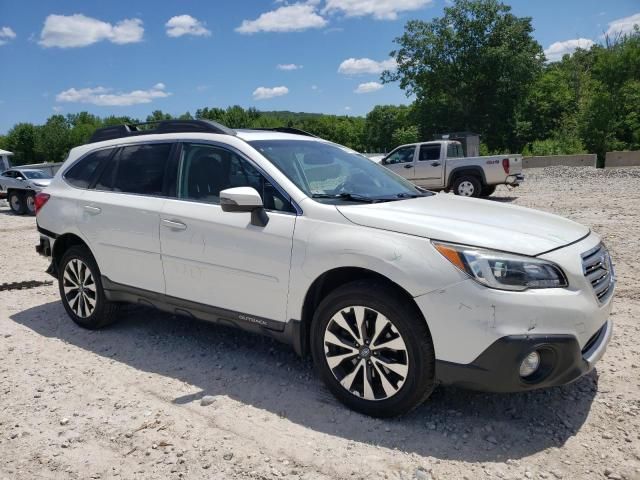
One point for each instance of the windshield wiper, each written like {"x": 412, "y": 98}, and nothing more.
{"x": 353, "y": 197}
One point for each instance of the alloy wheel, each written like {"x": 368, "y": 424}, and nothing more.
{"x": 366, "y": 353}
{"x": 79, "y": 288}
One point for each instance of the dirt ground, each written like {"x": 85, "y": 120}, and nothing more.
{"x": 127, "y": 402}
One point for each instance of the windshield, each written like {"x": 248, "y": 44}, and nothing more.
{"x": 334, "y": 173}
{"x": 35, "y": 174}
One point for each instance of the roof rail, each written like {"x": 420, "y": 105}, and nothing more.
{"x": 295, "y": 131}
{"x": 161, "y": 126}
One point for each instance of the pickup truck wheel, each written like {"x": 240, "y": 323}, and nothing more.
{"x": 467, "y": 186}
{"x": 488, "y": 190}
{"x": 16, "y": 202}
{"x": 30, "y": 203}
{"x": 372, "y": 350}
{"x": 81, "y": 290}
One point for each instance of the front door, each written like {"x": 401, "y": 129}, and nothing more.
{"x": 218, "y": 258}
{"x": 401, "y": 161}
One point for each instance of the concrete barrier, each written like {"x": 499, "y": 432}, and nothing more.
{"x": 622, "y": 159}
{"x": 582, "y": 160}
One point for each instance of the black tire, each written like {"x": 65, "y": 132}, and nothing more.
{"x": 408, "y": 323}
{"x": 104, "y": 312}
{"x": 487, "y": 190}
{"x": 467, "y": 186}
{"x": 30, "y": 203}
{"x": 16, "y": 202}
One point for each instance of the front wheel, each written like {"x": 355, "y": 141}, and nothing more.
{"x": 81, "y": 289}
{"x": 372, "y": 350}
{"x": 16, "y": 202}
{"x": 467, "y": 186}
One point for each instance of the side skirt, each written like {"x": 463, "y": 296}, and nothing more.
{"x": 289, "y": 332}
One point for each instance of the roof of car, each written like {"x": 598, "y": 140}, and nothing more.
{"x": 251, "y": 135}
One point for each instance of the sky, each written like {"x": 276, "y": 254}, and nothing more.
{"x": 133, "y": 57}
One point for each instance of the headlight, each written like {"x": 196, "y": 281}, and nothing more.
{"x": 503, "y": 271}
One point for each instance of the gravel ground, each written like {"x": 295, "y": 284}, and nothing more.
{"x": 156, "y": 396}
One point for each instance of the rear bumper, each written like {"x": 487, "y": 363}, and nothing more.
{"x": 515, "y": 180}
{"x": 497, "y": 368}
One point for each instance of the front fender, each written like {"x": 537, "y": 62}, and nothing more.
{"x": 406, "y": 260}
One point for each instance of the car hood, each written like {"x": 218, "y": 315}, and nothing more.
{"x": 470, "y": 221}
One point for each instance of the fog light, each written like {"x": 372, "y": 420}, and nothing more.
{"x": 530, "y": 364}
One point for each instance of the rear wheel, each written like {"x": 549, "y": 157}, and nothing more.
{"x": 467, "y": 186}
{"x": 372, "y": 350}
{"x": 81, "y": 289}
{"x": 16, "y": 202}
{"x": 30, "y": 203}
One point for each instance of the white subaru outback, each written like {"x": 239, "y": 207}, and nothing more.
{"x": 392, "y": 289}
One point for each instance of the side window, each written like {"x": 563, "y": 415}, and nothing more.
{"x": 402, "y": 155}
{"x": 18, "y": 175}
{"x": 8, "y": 173}
{"x": 82, "y": 173}
{"x": 140, "y": 169}
{"x": 454, "y": 150}
{"x": 206, "y": 170}
{"x": 429, "y": 152}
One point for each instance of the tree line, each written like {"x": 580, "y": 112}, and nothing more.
{"x": 477, "y": 68}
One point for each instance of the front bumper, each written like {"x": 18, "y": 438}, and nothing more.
{"x": 497, "y": 368}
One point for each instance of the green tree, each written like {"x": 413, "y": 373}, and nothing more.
{"x": 53, "y": 139}
{"x": 469, "y": 69}
{"x": 403, "y": 135}
{"x": 21, "y": 140}
{"x": 382, "y": 122}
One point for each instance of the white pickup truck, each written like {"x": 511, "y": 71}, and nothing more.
{"x": 441, "y": 165}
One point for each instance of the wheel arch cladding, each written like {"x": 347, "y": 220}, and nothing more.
{"x": 333, "y": 279}
{"x": 472, "y": 170}
{"x": 63, "y": 243}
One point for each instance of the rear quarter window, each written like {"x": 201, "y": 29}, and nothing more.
{"x": 82, "y": 173}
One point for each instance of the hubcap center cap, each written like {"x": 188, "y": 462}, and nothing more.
{"x": 365, "y": 352}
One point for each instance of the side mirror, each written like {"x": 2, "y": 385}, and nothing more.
{"x": 244, "y": 199}
{"x": 20, "y": 178}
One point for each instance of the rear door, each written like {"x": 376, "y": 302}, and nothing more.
{"x": 429, "y": 167}
{"x": 401, "y": 161}
{"x": 120, "y": 215}
{"x": 221, "y": 259}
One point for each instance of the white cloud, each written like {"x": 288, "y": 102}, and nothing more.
{"x": 6, "y": 34}
{"x": 623, "y": 25}
{"x": 358, "y": 66}
{"x": 186, "y": 25}
{"x": 78, "y": 30}
{"x": 314, "y": 87}
{"x": 288, "y": 66}
{"x": 106, "y": 97}
{"x": 557, "y": 50}
{"x": 368, "y": 87}
{"x": 379, "y": 9}
{"x": 263, "y": 93}
{"x": 289, "y": 18}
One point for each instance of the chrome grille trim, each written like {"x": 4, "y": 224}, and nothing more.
{"x": 598, "y": 270}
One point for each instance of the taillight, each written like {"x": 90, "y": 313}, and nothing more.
{"x": 41, "y": 199}
{"x": 505, "y": 165}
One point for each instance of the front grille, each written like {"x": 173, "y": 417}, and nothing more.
{"x": 598, "y": 269}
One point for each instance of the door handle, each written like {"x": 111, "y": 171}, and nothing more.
{"x": 173, "y": 224}
{"x": 435, "y": 164}
{"x": 92, "y": 210}
{"x": 409, "y": 165}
